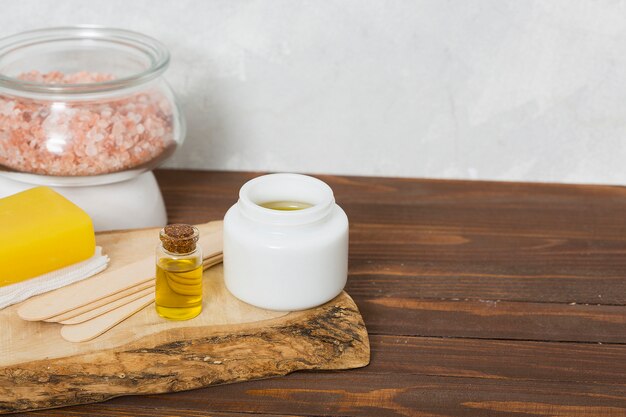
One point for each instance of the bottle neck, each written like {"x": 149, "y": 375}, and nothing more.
{"x": 176, "y": 254}
{"x": 315, "y": 194}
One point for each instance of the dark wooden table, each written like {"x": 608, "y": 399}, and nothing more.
{"x": 481, "y": 298}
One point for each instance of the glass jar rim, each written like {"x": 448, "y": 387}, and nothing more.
{"x": 157, "y": 54}
{"x": 286, "y": 187}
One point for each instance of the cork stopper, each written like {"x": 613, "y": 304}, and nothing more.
{"x": 179, "y": 238}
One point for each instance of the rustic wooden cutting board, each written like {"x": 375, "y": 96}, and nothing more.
{"x": 230, "y": 341}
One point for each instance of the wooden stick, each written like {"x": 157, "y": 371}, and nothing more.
{"x": 57, "y": 302}
{"x": 111, "y": 302}
{"x": 102, "y": 285}
{"x": 102, "y": 302}
{"x": 108, "y": 307}
{"x": 89, "y": 329}
{"x": 212, "y": 261}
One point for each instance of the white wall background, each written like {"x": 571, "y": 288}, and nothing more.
{"x": 489, "y": 89}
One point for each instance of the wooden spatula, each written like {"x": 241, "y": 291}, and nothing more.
{"x": 121, "y": 295}
{"x": 102, "y": 285}
{"x": 93, "y": 328}
{"x": 87, "y": 330}
{"x": 93, "y": 310}
{"x": 114, "y": 301}
{"x": 98, "y": 311}
{"x": 212, "y": 261}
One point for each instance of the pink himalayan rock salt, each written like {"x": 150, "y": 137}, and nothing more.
{"x": 83, "y": 138}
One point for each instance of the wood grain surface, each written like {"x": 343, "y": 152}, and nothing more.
{"x": 481, "y": 298}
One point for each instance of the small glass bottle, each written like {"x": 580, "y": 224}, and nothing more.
{"x": 178, "y": 273}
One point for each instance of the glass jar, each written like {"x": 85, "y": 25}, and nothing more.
{"x": 285, "y": 243}
{"x": 84, "y": 105}
{"x": 178, "y": 287}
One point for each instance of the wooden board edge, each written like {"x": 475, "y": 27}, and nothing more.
{"x": 332, "y": 336}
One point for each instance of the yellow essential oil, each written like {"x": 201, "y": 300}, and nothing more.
{"x": 178, "y": 273}
{"x": 178, "y": 289}
{"x": 285, "y": 205}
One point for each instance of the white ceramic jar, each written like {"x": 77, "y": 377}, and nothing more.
{"x": 285, "y": 259}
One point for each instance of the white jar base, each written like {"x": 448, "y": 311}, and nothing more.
{"x": 295, "y": 274}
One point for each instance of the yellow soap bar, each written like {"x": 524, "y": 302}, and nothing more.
{"x": 40, "y": 231}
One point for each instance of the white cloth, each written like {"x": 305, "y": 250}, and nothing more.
{"x": 20, "y": 291}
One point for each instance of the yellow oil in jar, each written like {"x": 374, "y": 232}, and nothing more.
{"x": 285, "y": 205}
{"x": 178, "y": 292}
